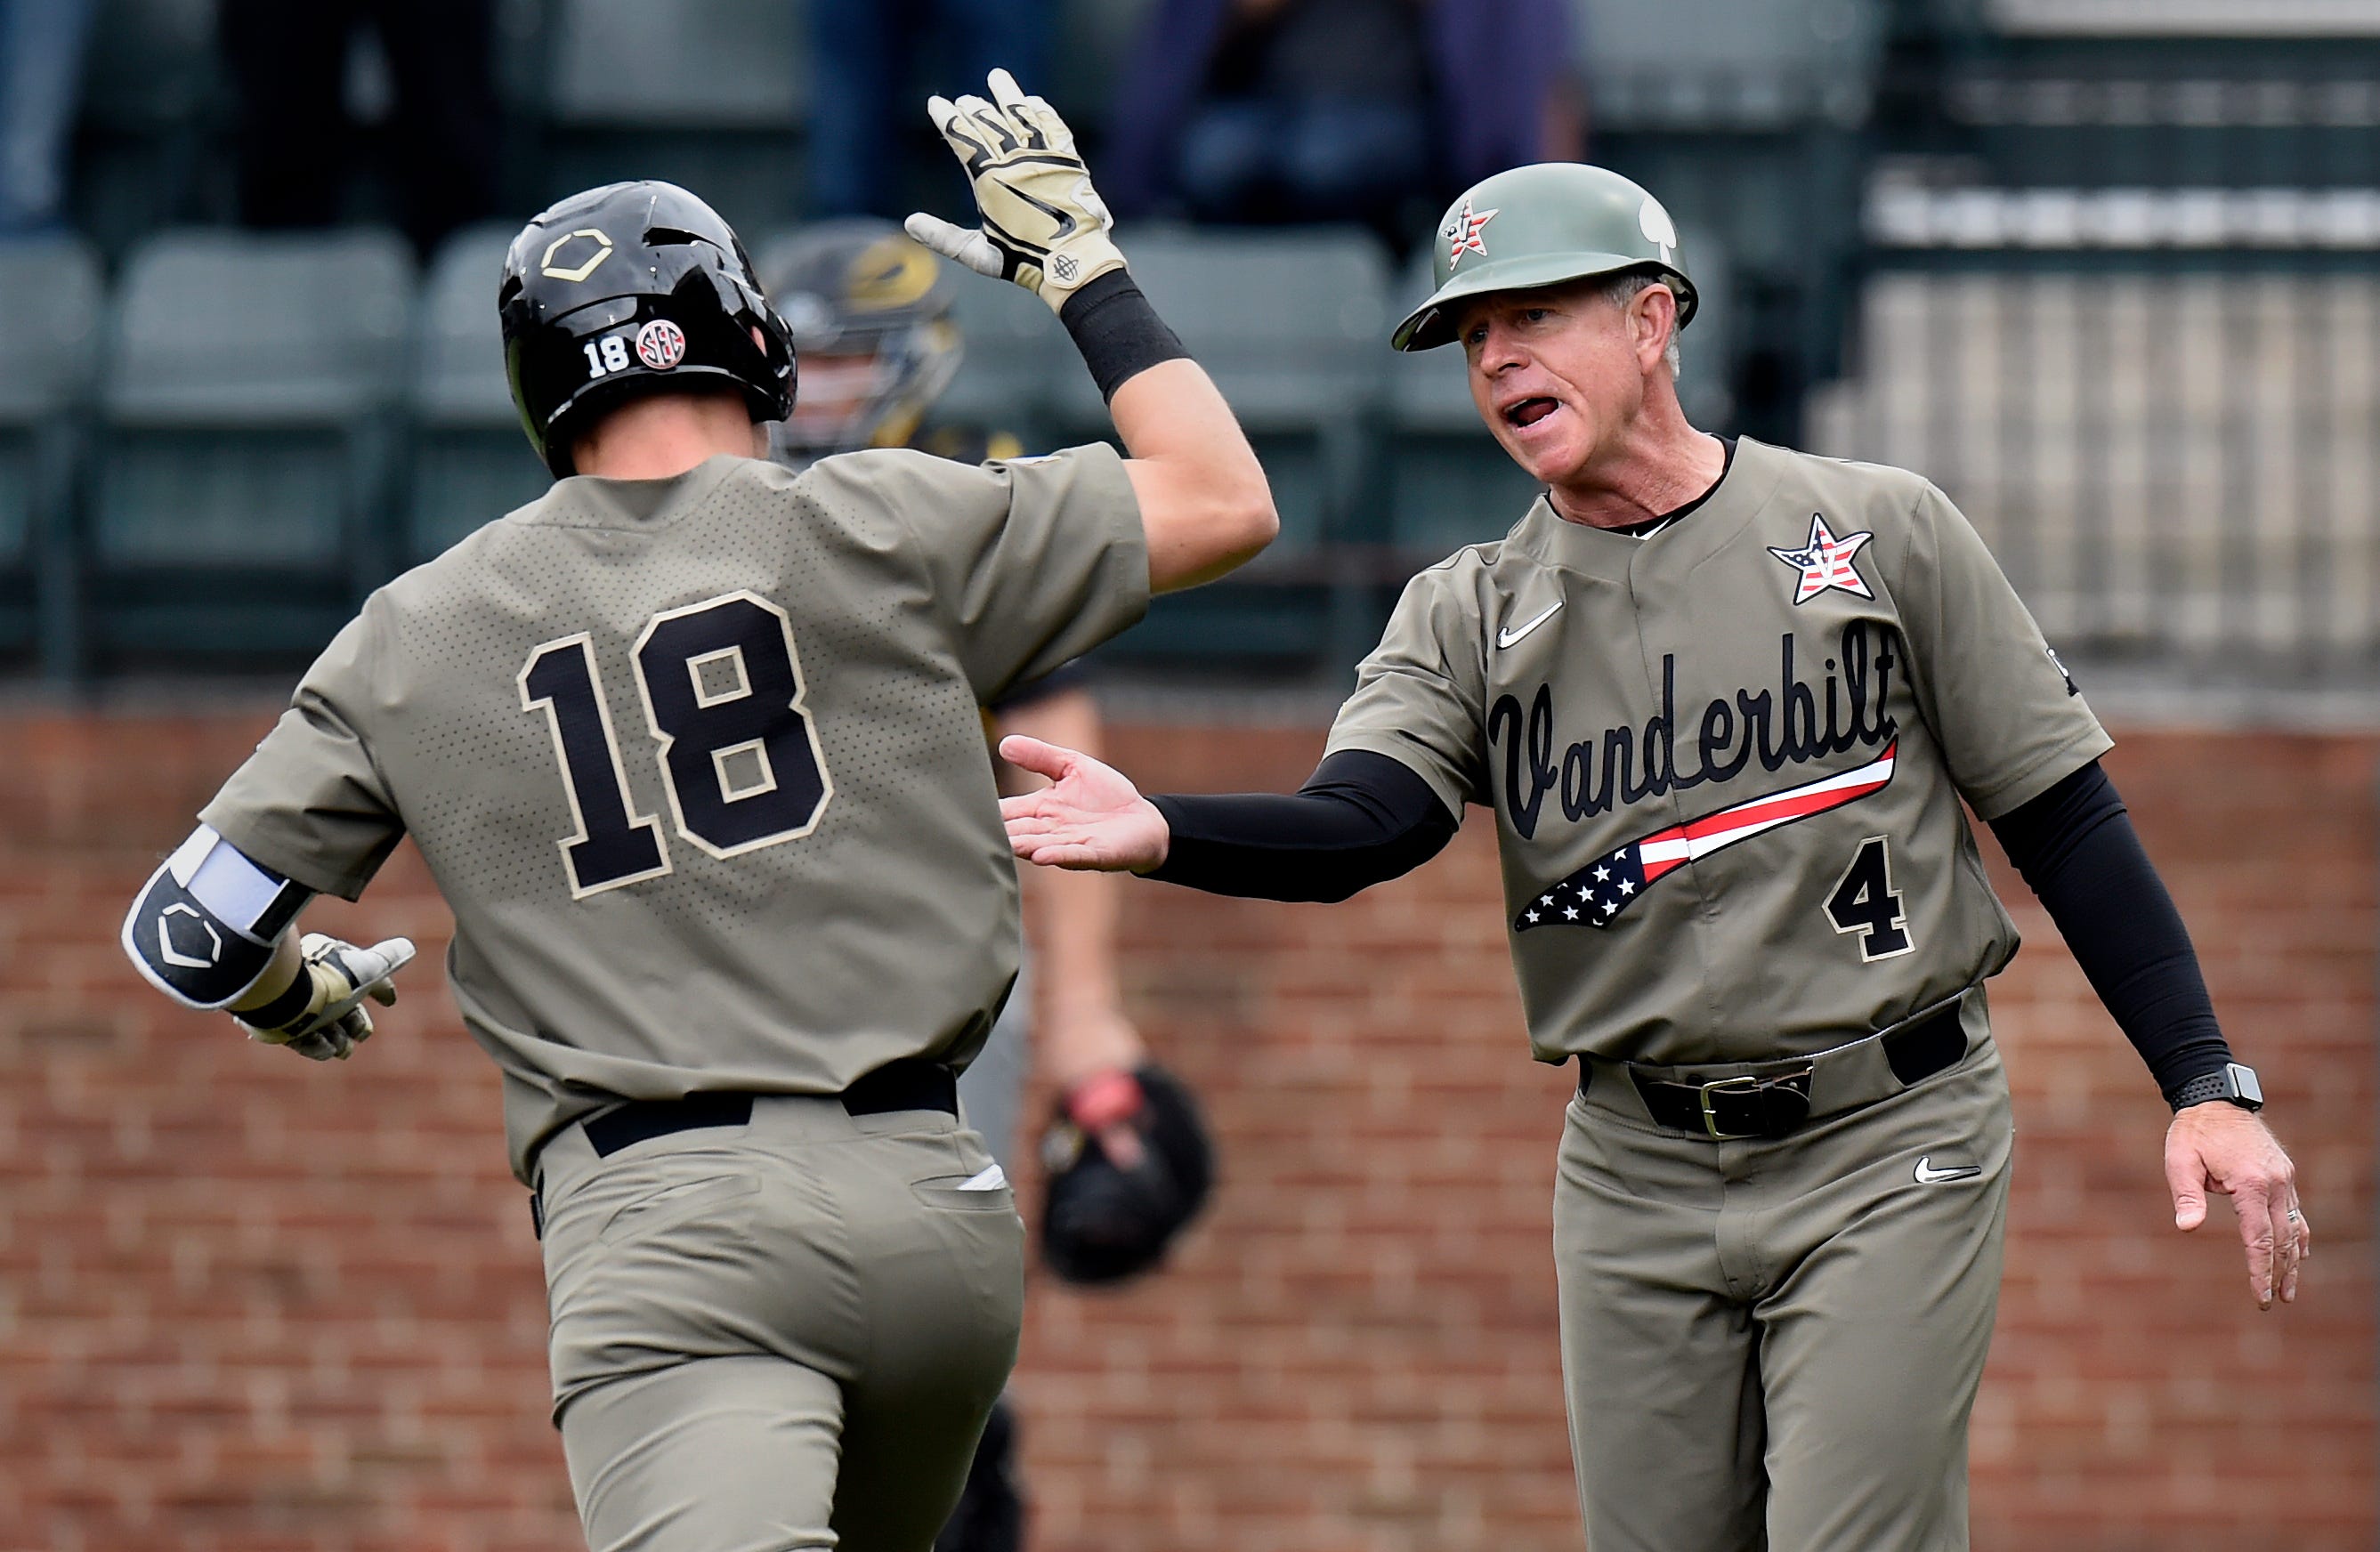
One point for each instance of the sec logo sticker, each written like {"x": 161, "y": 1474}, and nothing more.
{"x": 660, "y": 344}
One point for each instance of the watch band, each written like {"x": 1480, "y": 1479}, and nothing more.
{"x": 2231, "y": 1082}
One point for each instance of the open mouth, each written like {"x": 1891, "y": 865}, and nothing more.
{"x": 1528, "y": 412}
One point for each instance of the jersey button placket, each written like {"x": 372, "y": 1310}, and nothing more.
{"x": 1650, "y": 600}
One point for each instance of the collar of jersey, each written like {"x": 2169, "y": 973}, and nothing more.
{"x": 586, "y": 501}
{"x": 1751, "y": 478}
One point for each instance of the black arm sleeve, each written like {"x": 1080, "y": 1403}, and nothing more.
{"x": 2077, "y": 848}
{"x": 1361, "y": 819}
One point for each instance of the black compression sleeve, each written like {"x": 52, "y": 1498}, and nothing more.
{"x": 1118, "y": 332}
{"x": 2077, "y": 848}
{"x": 1361, "y": 819}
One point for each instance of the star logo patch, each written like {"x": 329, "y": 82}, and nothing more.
{"x": 1826, "y": 563}
{"x": 1463, "y": 232}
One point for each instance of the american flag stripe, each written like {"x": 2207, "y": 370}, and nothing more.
{"x": 1834, "y": 573}
{"x": 1597, "y": 893}
{"x": 1704, "y": 836}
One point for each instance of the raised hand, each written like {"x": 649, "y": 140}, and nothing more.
{"x": 1044, "y": 227}
{"x": 1091, "y": 818}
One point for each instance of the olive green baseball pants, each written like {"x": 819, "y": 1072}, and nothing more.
{"x": 780, "y": 1335}
{"x": 1774, "y": 1346}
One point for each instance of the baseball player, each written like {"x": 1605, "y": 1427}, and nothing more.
{"x": 869, "y": 311}
{"x": 1725, "y": 702}
{"x": 691, "y": 746}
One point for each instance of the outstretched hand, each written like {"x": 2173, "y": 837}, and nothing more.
{"x": 2219, "y": 1146}
{"x": 1091, "y": 818}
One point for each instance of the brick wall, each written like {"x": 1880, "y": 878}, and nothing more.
{"x": 249, "y": 1303}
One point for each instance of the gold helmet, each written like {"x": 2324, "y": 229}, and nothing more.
{"x": 868, "y": 309}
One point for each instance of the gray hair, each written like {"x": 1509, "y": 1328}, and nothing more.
{"x": 1626, "y": 288}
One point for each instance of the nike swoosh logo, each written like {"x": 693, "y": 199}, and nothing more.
{"x": 1506, "y": 636}
{"x": 1928, "y": 1175}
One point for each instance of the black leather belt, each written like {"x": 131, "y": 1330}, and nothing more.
{"x": 1772, "y": 1106}
{"x": 911, "y": 1083}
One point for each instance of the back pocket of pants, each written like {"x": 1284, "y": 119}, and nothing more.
{"x": 986, "y": 1192}
{"x": 678, "y": 1203}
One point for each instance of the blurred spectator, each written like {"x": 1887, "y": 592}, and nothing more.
{"x": 865, "y": 104}
{"x": 41, "y": 79}
{"x": 1280, "y": 111}
{"x": 288, "y": 61}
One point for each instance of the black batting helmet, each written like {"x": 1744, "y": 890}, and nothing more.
{"x": 630, "y": 289}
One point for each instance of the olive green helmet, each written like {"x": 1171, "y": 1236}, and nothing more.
{"x": 1539, "y": 226}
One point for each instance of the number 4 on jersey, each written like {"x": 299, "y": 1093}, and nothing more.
{"x": 1863, "y": 901}
{"x": 740, "y": 757}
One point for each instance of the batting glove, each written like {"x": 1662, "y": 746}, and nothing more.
{"x": 322, "y": 1017}
{"x": 1044, "y": 227}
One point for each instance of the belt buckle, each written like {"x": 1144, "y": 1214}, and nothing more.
{"x": 1742, "y": 1083}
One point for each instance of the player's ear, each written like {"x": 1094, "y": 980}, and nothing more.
{"x": 1652, "y": 318}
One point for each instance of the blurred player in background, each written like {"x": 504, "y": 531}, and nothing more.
{"x": 869, "y": 311}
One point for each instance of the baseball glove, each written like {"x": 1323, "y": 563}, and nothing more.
{"x": 1103, "y": 1222}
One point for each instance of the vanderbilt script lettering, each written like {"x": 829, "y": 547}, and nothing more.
{"x": 1796, "y": 721}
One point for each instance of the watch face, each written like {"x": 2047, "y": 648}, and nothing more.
{"x": 2244, "y": 1086}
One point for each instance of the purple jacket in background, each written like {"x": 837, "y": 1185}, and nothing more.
{"x": 1494, "y": 62}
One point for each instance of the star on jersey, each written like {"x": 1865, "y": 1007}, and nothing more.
{"x": 1463, "y": 232}
{"x": 1826, "y": 562}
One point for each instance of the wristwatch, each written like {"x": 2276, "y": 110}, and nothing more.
{"x": 2234, "y": 1081}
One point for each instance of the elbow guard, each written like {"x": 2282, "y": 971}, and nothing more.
{"x": 204, "y": 926}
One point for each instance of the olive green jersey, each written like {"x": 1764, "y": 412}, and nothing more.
{"x": 697, "y": 762}
{"x": 1726, "y": 761}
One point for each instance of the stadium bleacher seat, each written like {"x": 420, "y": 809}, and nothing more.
{"x": 701, "y": 64}
{"x": 50, "y": 292}
{"x": 1293, "y": 325}
{"x": 247, "y": 410}
{"x": 469, "y": 462}
{"x": 1729, "y": 64}
{"x": 707, "y": 93}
